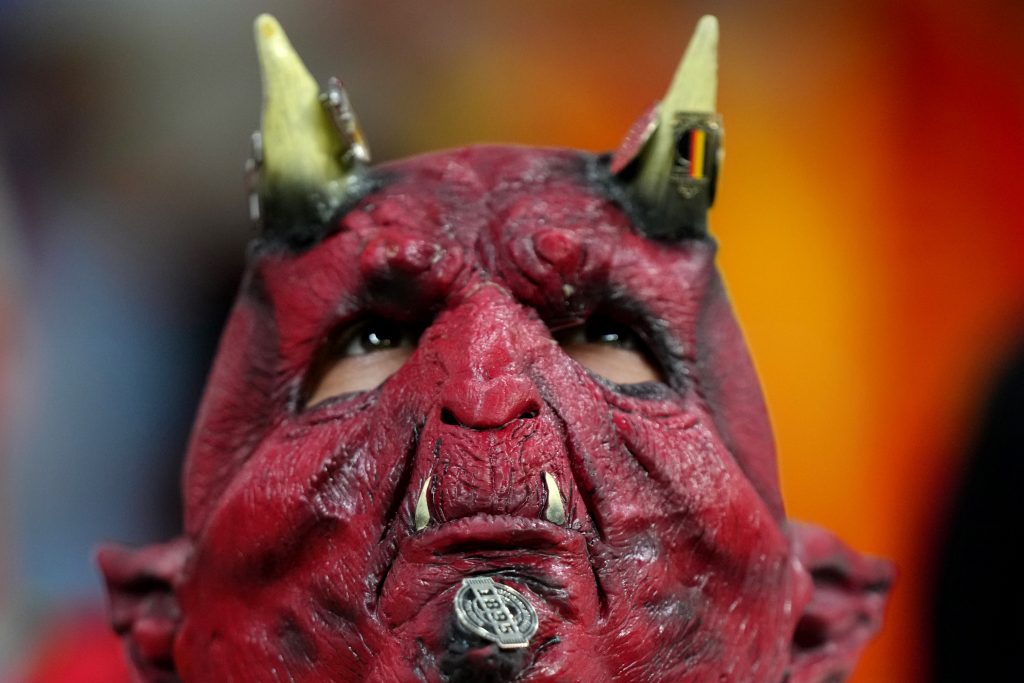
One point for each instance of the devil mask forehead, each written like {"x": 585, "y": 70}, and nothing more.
{"x": 486, "y": 415}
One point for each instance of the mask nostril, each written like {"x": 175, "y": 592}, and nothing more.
{"x": 482, "y": 403}
{"x": 449, "y": 417}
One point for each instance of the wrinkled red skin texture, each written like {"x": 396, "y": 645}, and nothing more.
{"x": 301, "y": 562}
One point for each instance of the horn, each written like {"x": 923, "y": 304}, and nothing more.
{"x": 309, "y": 155}
{"x": 675, "y": 168}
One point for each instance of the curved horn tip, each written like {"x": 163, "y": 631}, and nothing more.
{"x": 674, "y": 171}
{"x": 267, "y": 25}
{"x": 312, "y": 149}
{"x": 707, "y": 24}
{"x": 695, "y": 84}
{"x": 272, "y": 44}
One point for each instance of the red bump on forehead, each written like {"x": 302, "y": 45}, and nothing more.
{"x": 396, "y": 252}
{"x": 553, "y": 247}
{"x": 559, "y": 248}
{"x": 407, "y": 272}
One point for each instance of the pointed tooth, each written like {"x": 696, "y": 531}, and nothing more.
{"x": 555, "y": 510}
{"x": 422, "y": 517}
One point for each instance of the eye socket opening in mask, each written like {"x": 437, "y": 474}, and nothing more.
{"x": 611, "y": 347}
{"x": 359, "y": 356}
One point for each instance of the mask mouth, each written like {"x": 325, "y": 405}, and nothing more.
{"x": 488, "y": 532}
{"x": 550, "y": 564}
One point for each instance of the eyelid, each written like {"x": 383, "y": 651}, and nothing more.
{"x": 568, "y": 334}
{"x": 628, "y": 360}
{"x": 347, "y": 344}
{"x": 343, "y": 365}
{"x": 577, "y": 331}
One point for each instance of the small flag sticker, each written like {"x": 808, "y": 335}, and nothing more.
{"x": 698, "y": 145}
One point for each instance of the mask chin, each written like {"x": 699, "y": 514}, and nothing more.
{"x": 846, "y": 597}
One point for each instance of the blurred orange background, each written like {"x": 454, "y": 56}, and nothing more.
{"x": 870, "y": 215}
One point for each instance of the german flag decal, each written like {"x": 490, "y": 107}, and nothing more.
{"x": 692, "y": 150}
{"x": 697, "y": 137}
{"x": 698, "y": 146}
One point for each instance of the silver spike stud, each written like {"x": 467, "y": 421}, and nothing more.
{"x": 335, "y": 99}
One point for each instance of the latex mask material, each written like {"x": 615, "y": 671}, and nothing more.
{"x": 326, "y": 536}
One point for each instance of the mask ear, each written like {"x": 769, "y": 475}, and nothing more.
{"x": 844, "y": 610}
{"x": 143, "y": 607}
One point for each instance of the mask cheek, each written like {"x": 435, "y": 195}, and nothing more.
{"x": 268, "y": 507}
{"x": 709, "y": 519}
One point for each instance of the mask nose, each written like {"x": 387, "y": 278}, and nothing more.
{"x": 487, "y": 385}
{"x": 475, "y": 403}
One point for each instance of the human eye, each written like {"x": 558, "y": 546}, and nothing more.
{"x": 611, "y": 348}
{"x": 360, "y": 356}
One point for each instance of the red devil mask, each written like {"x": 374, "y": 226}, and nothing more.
{"x": 485, "y": 415}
